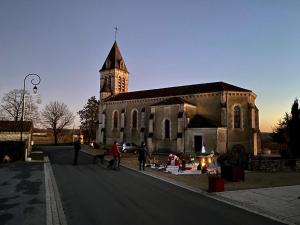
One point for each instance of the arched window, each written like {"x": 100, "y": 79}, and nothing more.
{"x": 123, "y": 84}
{"x": 167, "y": 128}
{"x": 237, "y": 117}
{"x": 110, "y": 82}
{"x": 115, "y": 119}
{"x": 122, "y": 65}
{"x": 119, "y": 84}
{"x": 134, "y": 119}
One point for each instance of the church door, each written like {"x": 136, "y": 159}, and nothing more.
{"x": 198, "y": 143}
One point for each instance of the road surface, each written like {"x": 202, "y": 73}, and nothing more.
{"x": 91, "y": 194}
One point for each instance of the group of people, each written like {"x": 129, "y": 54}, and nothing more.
{"x": 116, "y": 154}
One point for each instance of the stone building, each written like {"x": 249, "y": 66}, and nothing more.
{"x": 218, "y": 116}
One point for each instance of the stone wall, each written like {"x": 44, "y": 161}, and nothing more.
{"x": 273, "y": 165}
{"x": 13, "y": 136}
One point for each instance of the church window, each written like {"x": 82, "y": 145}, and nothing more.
{"x": 109, "y": 81}
{"x": 237, "y": 117}
{"x": 115, "y": 119}
{"x": 123, "y": 84}
{"x": 119, "y": 84}
{"x": 167, "y": 128}
{"x": 134, "y": 119}
{"x": 122, "y": 65}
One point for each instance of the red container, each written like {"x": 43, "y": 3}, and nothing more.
{"x": 215, "y": 184}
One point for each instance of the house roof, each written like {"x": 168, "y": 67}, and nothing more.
{"x": 15, "y": 126}
{"x": 114, "y": 59}
{"x": 177, "y": 91}
{"x": 172, "y": 101}
{"x": 199, "y": 121}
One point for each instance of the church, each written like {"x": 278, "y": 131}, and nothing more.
{"x": 216, "y": 116}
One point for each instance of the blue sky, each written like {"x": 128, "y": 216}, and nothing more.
{"x": 252, "y": 44}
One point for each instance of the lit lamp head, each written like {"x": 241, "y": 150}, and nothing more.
{"x": 34, "y": 89}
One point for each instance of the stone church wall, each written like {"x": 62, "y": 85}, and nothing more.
{"x": 163, "y": 113}
{"x": 209, "y": 138}
{"x": 243, "y": 135}
{"x": 207, "y": 105}
{"x": 222, "y": 140}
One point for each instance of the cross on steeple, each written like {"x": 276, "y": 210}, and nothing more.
{"x": 116, "y": 30}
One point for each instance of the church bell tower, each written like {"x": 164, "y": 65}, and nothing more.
{"x": 113, "y": 74}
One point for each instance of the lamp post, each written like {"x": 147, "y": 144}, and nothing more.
{"x": 34, "y": 81}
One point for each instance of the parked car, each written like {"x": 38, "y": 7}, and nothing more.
{"x": 129, "y": 147}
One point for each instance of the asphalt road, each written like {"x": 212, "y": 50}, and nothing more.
{"x": 94, "y": 195}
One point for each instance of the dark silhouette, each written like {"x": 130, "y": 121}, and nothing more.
{"x": 142, "y": 155}
{"x": 294, "y": 130}
{"x": 89, "y": 119}
{"x": 287, "y": 132}
{"x": 77, "y": 147}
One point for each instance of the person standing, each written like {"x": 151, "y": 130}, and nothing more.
{"x": 116, "y": 155}
{"x": 77, "y": 147}
{"x": 142, "y": 154}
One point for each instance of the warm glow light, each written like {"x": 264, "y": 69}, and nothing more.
{"x": 203, "y": 162}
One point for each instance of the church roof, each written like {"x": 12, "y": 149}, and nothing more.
{"x": 15, "y": 126}
{"x": 201, "y": 122}
{"x": 177, "y": 91}
{"x": 172, "y": 101}
{"x": 114, "y": 59}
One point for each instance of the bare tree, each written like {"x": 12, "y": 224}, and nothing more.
{"x": 57, "y": 116}
{"x": 11, "y": 106}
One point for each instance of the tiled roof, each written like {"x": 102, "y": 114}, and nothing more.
{"x": 114, "y": 59}
{"x": 177, "y": 91}
{"x": 201, "y": 122}
{"x": 15, "y": 126}
{"x": 172, "y": 101}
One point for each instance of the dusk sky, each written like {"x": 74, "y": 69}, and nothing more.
{"x": 254, "y": 44}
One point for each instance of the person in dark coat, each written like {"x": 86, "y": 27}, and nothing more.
{"x": 77, "y": 147}
{"x": 142, "y": 155}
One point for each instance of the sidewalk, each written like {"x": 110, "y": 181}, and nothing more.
{"x": 282, "y": 203}
{"x": 54, "y": 210}
{"x": 29, "y": 194}
{"x": 22, "y": 194}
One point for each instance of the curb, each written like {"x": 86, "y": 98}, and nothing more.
{"x": 54, "y": 211}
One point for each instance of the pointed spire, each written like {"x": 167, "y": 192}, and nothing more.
{"x": 114, "y": 60}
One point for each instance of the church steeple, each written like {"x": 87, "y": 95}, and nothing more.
{"x": 114, "y": 60}
{"x": 114, "y": 73}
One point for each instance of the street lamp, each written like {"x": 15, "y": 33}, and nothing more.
{"x": 36, "y": 80}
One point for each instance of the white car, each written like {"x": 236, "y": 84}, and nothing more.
{"x": 129, "y": 147}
